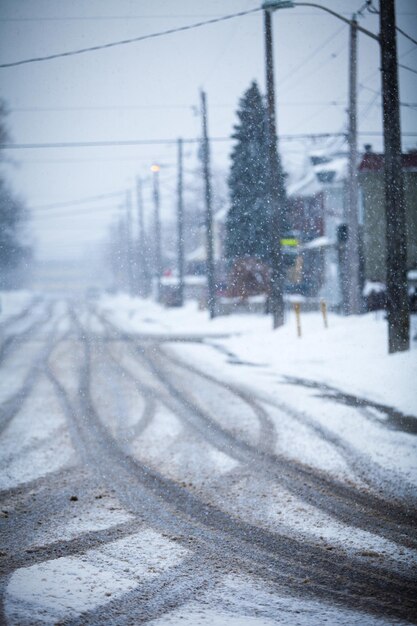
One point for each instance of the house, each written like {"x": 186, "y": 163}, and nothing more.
{"x": 195, "y": 261}
{"x": 372, "y": 199}
{"x": 316, "y": 207}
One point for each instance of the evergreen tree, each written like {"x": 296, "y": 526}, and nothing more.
{"x": 247, "y": 219}
{"x": 14, "y": 255}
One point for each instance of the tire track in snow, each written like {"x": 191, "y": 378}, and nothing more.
{"x": 267, "y": 437}
{"x": 170, "y": 508}
{"x": 13, "y": 340}
{"x": 360, "y": 464}
{"x": 394, "y": 418}
{"x": 362, "y": 510}
{"x": 151, "y": 600}
{"x": 367, "y": 470}
{"x": 372, "y": 513}
{"x": 12, "y": 405}
{"x": 13, "y": 319}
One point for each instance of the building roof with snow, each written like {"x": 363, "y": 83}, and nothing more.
{"x": 322, "y": 171}
{"x": 373, "y": 162}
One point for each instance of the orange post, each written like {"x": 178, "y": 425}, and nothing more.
{"x": 297, "y": 309}
{"x": 323, "y": 308}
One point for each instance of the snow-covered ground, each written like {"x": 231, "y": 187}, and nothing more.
{"x": 351, "y": 354}
{"x": 318, "y": 376}
{"x": 336, "y": 402}
{"x": 12, "y": 302}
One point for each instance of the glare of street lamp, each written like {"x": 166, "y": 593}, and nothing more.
{"x": 155, "y": 168}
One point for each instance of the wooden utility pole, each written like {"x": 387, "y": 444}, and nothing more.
{"x": 129, "y": 254}
{"x": 157, "y": 232}
{"x": 354, "y": 298}
{"x": 276, "y": 188}
{"x": 143, "y": 260}
{"x": 397, "y": 293}
{"x": 211, "y": 287}
{"x": 180, "y": 217}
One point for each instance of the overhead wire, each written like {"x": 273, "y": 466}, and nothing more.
{"x": 220, "y": 55}
{"x": 136, "y": 142}
{"x": 374, "y": 11}
{"x": 86, "y": 212}
{"x": 105, "y": 107}
{"x": 404, "y": 34}
{"x": 411, "y": 105}
{"x": 56, "y": 205}
{"x": 311, "y": 56}
{"x": 155, "y": 16}
{"x": 377, "y": 71}
{"x": 406, "y": 67}
{"x": 160, "y": 106}
{"x": 364, "y": 114}
{"x": 131, "y": 40}
{"x": 89, "y": 144}
{"x": 96, "y": 18}
{"x": 86, "y": 160}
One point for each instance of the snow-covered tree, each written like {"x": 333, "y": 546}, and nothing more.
{"x": 14, "y": 254}
{"x": 247, "y": 220}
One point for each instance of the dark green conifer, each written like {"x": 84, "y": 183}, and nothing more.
{"x": 247, "y": 220}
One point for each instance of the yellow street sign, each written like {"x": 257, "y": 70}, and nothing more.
{"x": 289, "y": 242}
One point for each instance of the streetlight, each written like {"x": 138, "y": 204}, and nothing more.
{"x": 157, "y": 226}
{"x": 353, "y": 300}
{"x": 275, "y": 178}
{"x": 397, "y": 305}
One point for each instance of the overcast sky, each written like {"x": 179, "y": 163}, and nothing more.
{"x": 150, "y": 91}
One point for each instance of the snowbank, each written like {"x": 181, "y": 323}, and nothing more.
{"x": 351, "y": 354}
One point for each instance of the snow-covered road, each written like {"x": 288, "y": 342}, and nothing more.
{"x": 156, "y": 468}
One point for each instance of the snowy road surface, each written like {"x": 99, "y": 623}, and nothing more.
{"x": 154, "y": 476}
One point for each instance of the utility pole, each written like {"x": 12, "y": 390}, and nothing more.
{"x": 129, "y": 254}
{"x": 276, "y": 188}
{"x": 143, "y": 261}
{"x": 354, "y": 297}
{"x": 397, "y": 295}
{"x": 211, "y": 287}
{"x": 180, "y": 217}
{"x": 157, "y": 231}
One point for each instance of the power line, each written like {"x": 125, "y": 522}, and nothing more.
{"x": 407, "y": 52}
{"x": 378, "y": 133}
{"x": 411, "y": 105}
{"x": 135, "y": 142}
{"x": 364, "y": 114}
{"x": 405, "y": 67}
{"x": 374, "y": 11}
{"x": 144, "y": 37}
{"x": 124, "y": 42}
{"x": 102, "y": 17}
{"x": 300, "y": 103}
{"x": 404, "y": 34}
{"x": 57, "y": 205}
{"x": 102, "y": 144}
{"x": 310, "y": 56}
{"x": 160, "y": 106}
{"x": 106, "y": 107}
{"x": 87, "y": 160}
{"x": 375, "y": 72}
{"x": 85, "y": 212}
{"x": 162, "y": 16}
